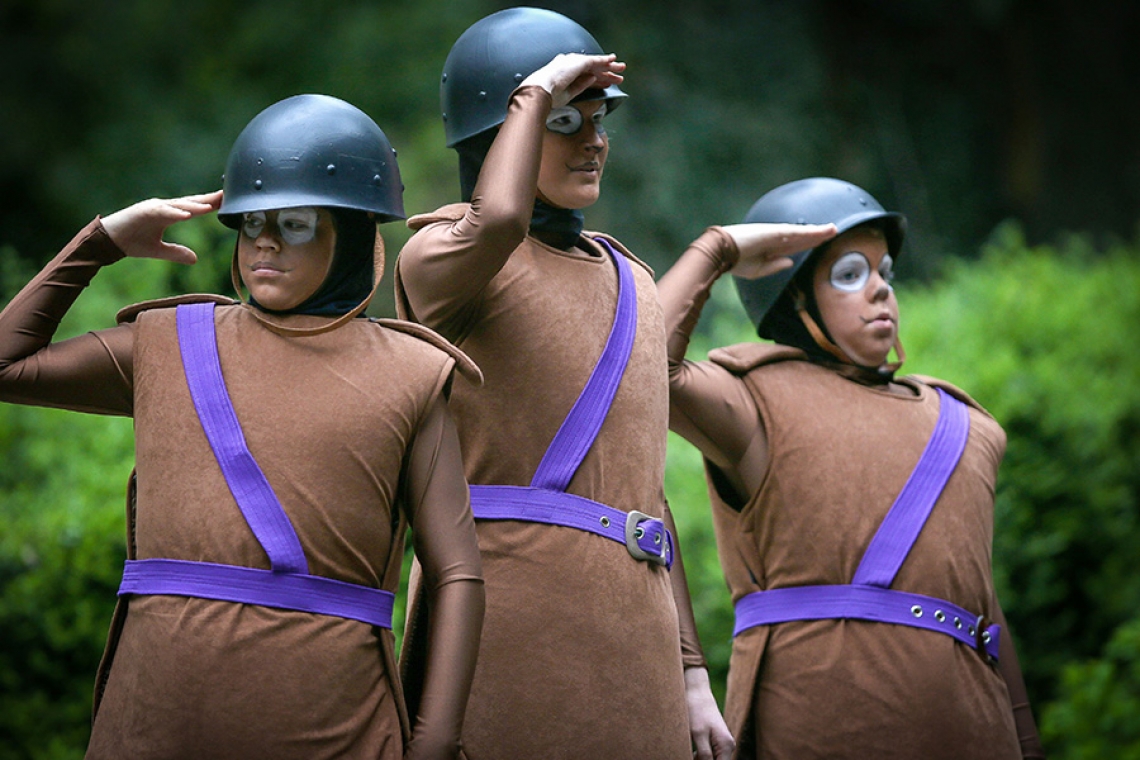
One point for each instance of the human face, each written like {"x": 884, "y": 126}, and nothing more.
{"x": 570, "y": 174}
{"x": 285, "y": 255}
{"x": 852, "y": 284}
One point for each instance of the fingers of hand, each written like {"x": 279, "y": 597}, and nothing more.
{"x": 179, "y": 254}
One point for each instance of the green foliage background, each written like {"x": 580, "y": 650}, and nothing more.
{"x": 998, "y": 126}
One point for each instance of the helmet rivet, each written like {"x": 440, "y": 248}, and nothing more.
{"x": 331, "y": 168}
{"x": 863, "y": 201}
{"x": 519, "y": 77}
{"x": 394, "y": 152}
{"x": 445, "y": 117}
{"x": 377, "y": 181}
{"x": 444, "y": 77}
{"x": 482, "y": 94}
{"x": 257, "y": 184}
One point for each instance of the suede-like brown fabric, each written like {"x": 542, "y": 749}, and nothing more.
{"x": 581, "y": 653}
{"x": 803, "y": 465}
{"x": 352, "y": 431}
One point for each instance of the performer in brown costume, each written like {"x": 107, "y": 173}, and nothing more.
{"x": 807, "y": 443}
{"x": 589, "y": 646}
{"x": 245, "y": 630}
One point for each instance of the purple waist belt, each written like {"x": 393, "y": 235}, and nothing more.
{"x": 869, "y": 596}
{"x": 545, "y": 500}
{"x": 288, "y": 585}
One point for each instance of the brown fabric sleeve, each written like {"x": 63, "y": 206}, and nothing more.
{"x": 443, "y": 533}
{"x": 692, "y": 654}
{"x": 88, "y": 373}
{"x": 708, "y": 406}
{"x": 445, "y": 266}
{"x": 1010, "y": 670}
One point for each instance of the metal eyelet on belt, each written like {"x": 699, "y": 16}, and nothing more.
{"x": 940, "y": 616}
{"x": 605, "y": 521}
{"x": 958, "y": 622}
{"x": 916, "y": 610}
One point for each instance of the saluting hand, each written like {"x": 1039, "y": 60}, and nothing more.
{"x": 765, "y": 248}
{"x": 568, "y": 75}
{"x": 137, "y": 230}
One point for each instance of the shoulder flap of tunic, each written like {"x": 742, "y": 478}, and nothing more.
{"x": 452, "y": 212}
{"x": 468, "y": 368}
{"x": 950, "y": 388}
{"x": 130, "y": 313}
{"x": 620, "y": 249}
{"x": 745, "y": 357}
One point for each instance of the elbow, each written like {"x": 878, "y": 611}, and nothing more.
{"x": 504, "y": 225}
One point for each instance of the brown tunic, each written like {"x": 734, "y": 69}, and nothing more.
{"x": 581, "y": 653}
{"x": 332, "y": 420}
{"x": 803, "y": 465}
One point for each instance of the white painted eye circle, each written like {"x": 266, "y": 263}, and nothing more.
{"x": 252, "y": 224}
{"x": 887, "y": 269}
{"x": 565, "y": 120}
{"x": 597, "y": 118}
{"x": 297, "y": 225}
{"x": 850, "y": 272}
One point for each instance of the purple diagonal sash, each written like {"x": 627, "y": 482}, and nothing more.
{"x": 545, "y": 500}
{"x": 581, "y": 426}
{"x": 254, "y": 495}
{"x": 900, "y": 528}
{"x": 869, "y": 596}
{"x": 288, "y": 585}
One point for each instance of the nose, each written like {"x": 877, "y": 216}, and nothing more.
{"x": 266, "y": 240}
{"x": 879, "y": 287}
{"x": 593, "y": 136}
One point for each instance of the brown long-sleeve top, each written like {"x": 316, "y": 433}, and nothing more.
{"x": 581, "y": 652}
{"x": 779, "y": 434}
{"x": 353, "y": 433}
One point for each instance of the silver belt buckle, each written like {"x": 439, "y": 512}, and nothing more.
{"x": 634, "y": 531}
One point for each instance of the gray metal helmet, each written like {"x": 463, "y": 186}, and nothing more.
{"x": 495, "y": 55}
{"x": 311, "y": 150}
{"x": 817, "y": 200}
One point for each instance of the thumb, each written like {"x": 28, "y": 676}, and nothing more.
{"x": 179, "y": 254}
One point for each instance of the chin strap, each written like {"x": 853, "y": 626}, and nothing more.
{"x": 830, "y": 347}
{"x": 377, "y": 274}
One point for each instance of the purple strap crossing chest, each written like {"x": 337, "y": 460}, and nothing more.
{"x": 869, "y": 596}
{"x": 545, "y": 500}
{"x": 288, "y": 584}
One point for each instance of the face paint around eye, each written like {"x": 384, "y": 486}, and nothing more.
{"x": 887, "y": 268}
{"x": 566, "y": 120}
{"x": 850, "y": 272}
{"x": 252, "y": 224}
{"x": 297, "y": 225}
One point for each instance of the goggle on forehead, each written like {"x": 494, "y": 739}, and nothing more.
{"x": 568, "y": 120}
{"x": 852, "y": 270}
{"x": 295, "y": 225}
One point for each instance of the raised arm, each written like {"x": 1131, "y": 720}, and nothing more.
{"x": 91, "y": 372}
{"x": 708, "y": 406}
{"x": 446, "y": 265}
{"x": 443, "y": 532}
